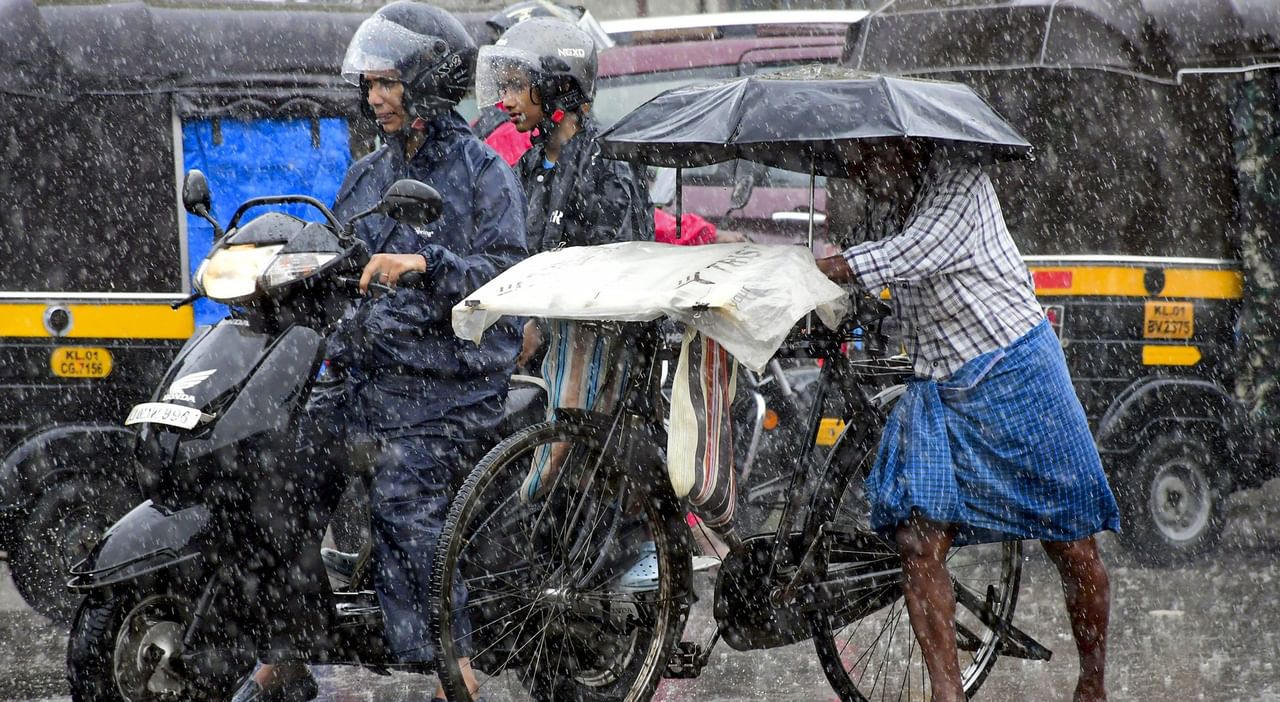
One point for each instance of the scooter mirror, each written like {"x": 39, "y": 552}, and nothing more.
{"x": 195, "y": 193}
{"x": 413, "y": 202}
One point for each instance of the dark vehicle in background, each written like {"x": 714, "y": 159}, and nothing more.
{"x": 1129, "y": 220}
{"x": 105, "y": 107}
{"x": 102, "y": 108}
{"x": 654, "y": 54}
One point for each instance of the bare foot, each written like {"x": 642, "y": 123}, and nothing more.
{"x": 269, "y": 675}
{"x": 955, "y": 696}
{"x": 1089, "y": 691}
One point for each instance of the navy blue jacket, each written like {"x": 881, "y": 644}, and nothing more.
{"x": 401, "y": 350}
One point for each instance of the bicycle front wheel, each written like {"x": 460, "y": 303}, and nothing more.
{"x": 575, "y": 590}
{"x": 866, "y": 646}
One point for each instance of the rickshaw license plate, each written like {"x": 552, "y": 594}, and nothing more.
{"x": 1168, "y": 320}
{"x": 80, "y": 362}
{"x": 164, "y": 413}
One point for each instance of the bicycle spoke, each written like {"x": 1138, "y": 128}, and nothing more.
{"x": 513, "y": 654}
{"x": 497, "y": 621}
{"x": 623, "y": 598}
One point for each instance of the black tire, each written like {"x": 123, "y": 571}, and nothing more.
{"x": 1171, "y": 504}
{"x": 553, "y": 563}
{"x": 64, "y": 523}
{"x": 121, "y": 640}
{"x": 887, "y": 664}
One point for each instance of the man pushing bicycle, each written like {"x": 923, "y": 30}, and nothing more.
{"x": 989, "y": 443}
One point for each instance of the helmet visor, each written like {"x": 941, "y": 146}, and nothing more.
{"x": 501, "y": 69}
{"x": 384, "y": 48}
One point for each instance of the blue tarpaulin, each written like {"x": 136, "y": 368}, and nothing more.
{"x": 252, "y": 158}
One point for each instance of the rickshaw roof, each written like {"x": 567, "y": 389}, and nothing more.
{"x": 1152, "y": 38}
{"x": 68, "y": 49}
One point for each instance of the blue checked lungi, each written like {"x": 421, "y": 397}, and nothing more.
{"x": 1001, "y": 450}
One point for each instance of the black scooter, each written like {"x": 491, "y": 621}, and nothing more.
{"x": 159, "y": 621}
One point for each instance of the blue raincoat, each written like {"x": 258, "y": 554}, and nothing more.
{"x": 429, "y": 399}
{"x": 402, "y": 350}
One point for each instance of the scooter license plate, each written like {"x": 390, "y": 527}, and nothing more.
{"x": 164, "y": 413}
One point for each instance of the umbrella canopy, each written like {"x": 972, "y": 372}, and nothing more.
{"x": 818, "y": 116}
{"x": 1156, "y": 39}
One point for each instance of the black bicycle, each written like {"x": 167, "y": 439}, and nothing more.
{"x": 580, "y": 590}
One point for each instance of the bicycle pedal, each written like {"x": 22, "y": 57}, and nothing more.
{"x": 686, "y": 661}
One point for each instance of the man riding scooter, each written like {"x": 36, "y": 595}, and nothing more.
{"x": 421, "y": 399}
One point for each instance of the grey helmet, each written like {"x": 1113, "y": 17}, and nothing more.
{"x": 556, "y": 58}
{"x": 512, "y": 15}
{"x": 427, "y": 48}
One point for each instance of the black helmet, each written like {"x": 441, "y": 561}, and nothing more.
{"x": 558, "y": 59}
{"x": 428, "y": 49}
{"x": 512, "y": 15}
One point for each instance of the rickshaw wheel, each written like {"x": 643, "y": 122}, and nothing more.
{"x": 63, "y": 525}
{"x": 1171, "y": 504}
{"x": 553, "y": 607}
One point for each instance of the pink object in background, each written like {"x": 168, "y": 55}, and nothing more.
{"x": 694, "y": 230}
{"x": 509, "y": 142}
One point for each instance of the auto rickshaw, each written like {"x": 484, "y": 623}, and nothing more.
{"x": 102, "y": 109}
{"x": 1130, "y": 218}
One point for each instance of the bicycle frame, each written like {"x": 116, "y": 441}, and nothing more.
{"x": 640, "y": 401}
{"x": 792, "y": 583}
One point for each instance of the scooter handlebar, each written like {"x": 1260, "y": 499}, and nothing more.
{"x": 412, "y": 279}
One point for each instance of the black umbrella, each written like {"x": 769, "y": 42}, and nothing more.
{"x": 817, "y": 119}
{"x": 1153, "y": 39}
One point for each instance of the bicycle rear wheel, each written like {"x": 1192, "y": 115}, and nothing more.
{"x": 578, "y": 593}
{"x": 867, "y": 648}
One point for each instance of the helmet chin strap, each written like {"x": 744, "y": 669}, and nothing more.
{"x": 415, "y": 119}
{"x": 546, "y": 126}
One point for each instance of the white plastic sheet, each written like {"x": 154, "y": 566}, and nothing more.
{"x": 744, "y": 296}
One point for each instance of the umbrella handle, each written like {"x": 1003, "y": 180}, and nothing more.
{"x": 679, "y": 202}
{"x": 813, "y": 185}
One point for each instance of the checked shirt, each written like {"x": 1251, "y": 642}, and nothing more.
{"x": 956, "y": 279}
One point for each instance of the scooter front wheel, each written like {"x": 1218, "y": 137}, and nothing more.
{"x": 124, "y": 646}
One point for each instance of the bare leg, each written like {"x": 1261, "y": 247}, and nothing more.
{"x": 469, "y": 675}
{"x": 931, "y": 603}
{"x": 265, "y": 675}
{"x": 1088, "y": 594}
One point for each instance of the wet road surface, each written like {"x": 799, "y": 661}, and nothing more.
{"x": 1208, "y": 632}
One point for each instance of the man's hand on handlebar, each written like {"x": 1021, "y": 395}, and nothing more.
{"x": 836, "y": 268}
{"x": 386, "y": 269}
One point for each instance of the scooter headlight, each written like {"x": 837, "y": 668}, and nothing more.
{"x": 231, "y": 274}
{"x": 287, "y": 268}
